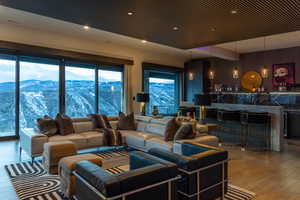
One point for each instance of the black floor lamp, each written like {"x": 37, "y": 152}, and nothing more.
{"x": 142, "y": 98}
{"x": 202, "y": 100}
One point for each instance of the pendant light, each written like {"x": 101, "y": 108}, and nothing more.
{"x": 235, "y": 72}
{"x": 211, "y": 73}
{"x": 191, "y": 74}
{"x": 264, "y": 71}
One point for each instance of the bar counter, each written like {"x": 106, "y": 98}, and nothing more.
{"x": 277, "y": 119}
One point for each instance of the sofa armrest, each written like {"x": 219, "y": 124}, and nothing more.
{"x": 143, "y": 177}
{"x": 32, "y": 143}
{"x": 104, "y": 182}
{"x": 140, "y": 159}
{"x": 199, "y": 156}
{"x": 203, "y": 155}
{"x": 180, "y": 160}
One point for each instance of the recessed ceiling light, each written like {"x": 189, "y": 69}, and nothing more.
{"x": 130, "y": 13}
{"x": 233, "y": 12}
{"x": 175, "y": 28}
{"x": 86, "y": 27}
{"x": 144, "y": 41}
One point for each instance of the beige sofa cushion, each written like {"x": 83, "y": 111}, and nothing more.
{"x": 204, "y": 139}
{"x": 141, "y": 126}
{"x": 94, "y": 138}
{"x": 135, "y": 138}
{"x": 159, "y": 142}
{"x": 140, "y": 118}
{"x": 78, "y": 140}
{"x": 156, "y": 129}
{"x": 81, "y": 127}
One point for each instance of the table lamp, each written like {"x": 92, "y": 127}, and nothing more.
{"x": 143, "y": 98}
{"x": 202, "y": 100}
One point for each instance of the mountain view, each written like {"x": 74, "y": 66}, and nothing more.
{"x": 39, "y": 93}
{"x": 39, "y": 98}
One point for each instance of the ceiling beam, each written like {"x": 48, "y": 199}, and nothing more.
{"x": 211, "y": 51}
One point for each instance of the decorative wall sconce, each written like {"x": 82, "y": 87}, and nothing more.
{"x": 235, "y": 73}
{"x": 264, "y": 73}
{"x": 191, "y": 76}
{"x": 211, "y": 75}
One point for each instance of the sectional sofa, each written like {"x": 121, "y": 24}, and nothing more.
{"x": 148, "y": 134}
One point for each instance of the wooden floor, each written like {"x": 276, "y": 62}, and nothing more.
{"x": 272, "y": 176}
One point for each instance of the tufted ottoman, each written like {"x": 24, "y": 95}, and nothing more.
{"x": 54, "y": 151}
{"x": 66, "y": 167}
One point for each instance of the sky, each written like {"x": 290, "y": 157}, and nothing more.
{"x": 35, "y": 71}
{"x": 160, "y": 80}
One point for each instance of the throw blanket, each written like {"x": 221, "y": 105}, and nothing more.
{"x": 112, "y": 137}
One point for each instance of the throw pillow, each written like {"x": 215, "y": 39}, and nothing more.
{"x": 100, "y": 121}
{"x": 126, "y": 122}
{"x": 112, "y": 137}
{"x": 171, "y": 128}
{"x": 47, "y": 126}
{"x": 185, "y": 132}
{"x": 65, "y": 124}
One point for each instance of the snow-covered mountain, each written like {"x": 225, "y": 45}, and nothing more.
{"x": 39, "y": 98}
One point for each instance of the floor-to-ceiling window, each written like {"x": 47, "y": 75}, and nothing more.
{"x": 110, "y": 91}
{"x": 32, "y": 87}
{"x": 163, "y": 87}
{"x": 162, "y": 94}
{"x": 80, "y": 90}
{"x": 39, "y": 90}
{"x": 7, "y": 95}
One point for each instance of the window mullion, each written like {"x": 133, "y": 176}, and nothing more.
{"x": 62, "y": 86}
{"x": 17, "y": 97}
{"x": 97, "y": 89}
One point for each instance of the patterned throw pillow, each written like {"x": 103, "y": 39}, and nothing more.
{"x": 100, "y": 121}
{"x": 171, "y": 128}
{"x": 47, "y": 126}
{"x": 185, "y": 132}
{"x": 112, "y": 137}
{"x": 126, "y": 122}
{"x": 64, "y": 123}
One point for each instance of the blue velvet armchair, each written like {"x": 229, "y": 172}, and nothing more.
{"x": 203, "y": 170}
{"x": 149, "y": 178}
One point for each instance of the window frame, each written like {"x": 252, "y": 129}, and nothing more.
{"x": 116, "y": 69}
{"x": 84, "y": 66}
{"x": 61, "y": 62}
{"x": 163, "y": 71}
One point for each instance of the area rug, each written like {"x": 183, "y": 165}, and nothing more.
{"x": 31, "y": 182}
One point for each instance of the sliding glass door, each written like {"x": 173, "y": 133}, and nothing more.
{"x": 162, "y": 95}
{"x": 80, "y": 90}
{"x": 163, "y": 89}
{"x": 39, "y": 90}
{"x": 7, "y": 96}
{"x": 110, "y": 92}
{"x": 32, "y": 87}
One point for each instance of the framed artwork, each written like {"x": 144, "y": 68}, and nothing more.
{"x": 283, "y": 74}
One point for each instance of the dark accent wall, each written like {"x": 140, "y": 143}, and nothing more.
{"x": 200, "y": 83}
{"x": 255, "y": 62}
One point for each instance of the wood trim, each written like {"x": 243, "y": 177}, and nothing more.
{"x": 31, "y": 50}
{"x": 6, "y": 138}
{"x": 163, "y": 68}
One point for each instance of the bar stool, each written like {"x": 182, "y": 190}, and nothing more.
{"x": 230, "y": 128}
{"x": 211, "y": 115}
{"x": 252, "y": 137}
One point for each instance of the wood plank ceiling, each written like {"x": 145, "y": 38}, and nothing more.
{"x": 199, "y": 22}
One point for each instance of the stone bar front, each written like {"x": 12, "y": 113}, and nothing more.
{"x": 277, "y": 120}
